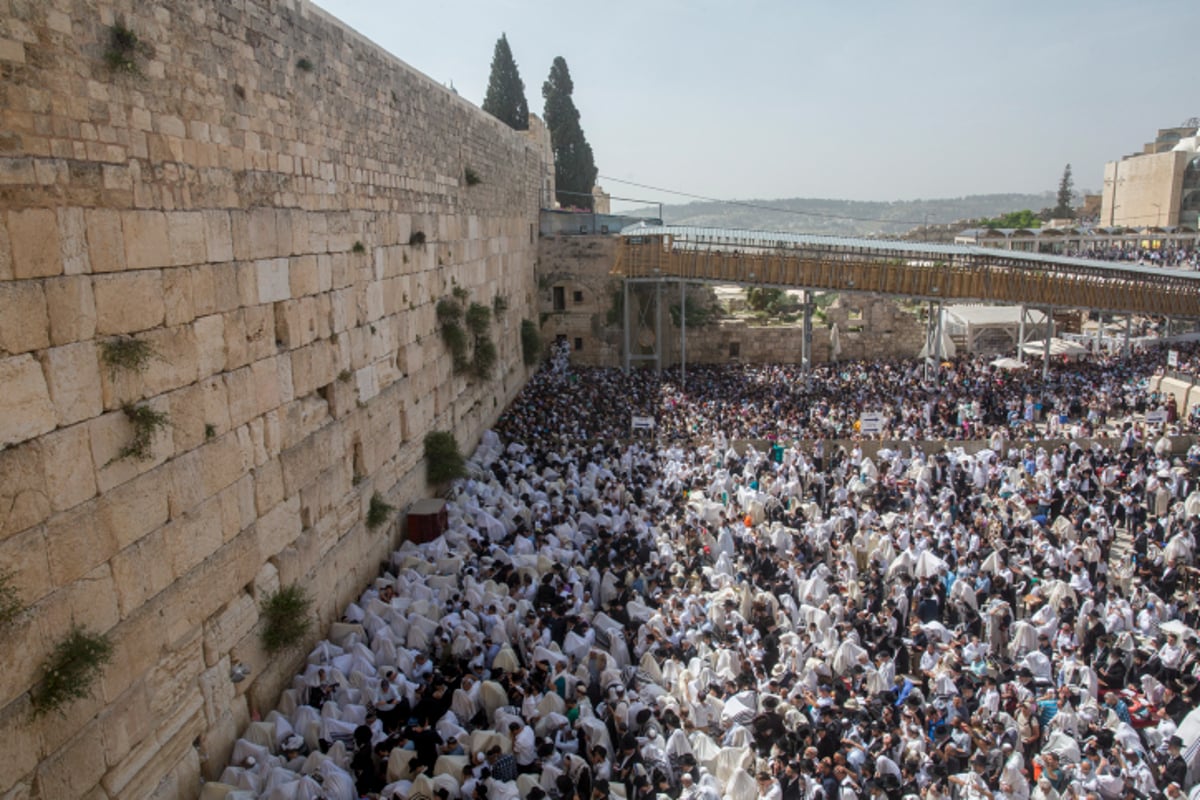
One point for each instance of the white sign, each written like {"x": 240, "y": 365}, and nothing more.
{"x": 872, "y": 422}
{"x": 642, "y": 423}
{"x": 1156, "y": 417}
{"x": 1172, "y": 358}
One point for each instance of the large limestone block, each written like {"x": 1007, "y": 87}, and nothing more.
{"x": 273, "y": 280}
{"x": 147, "y": 244}
{"x": 187, "y": 236}
{"x": 255, "y": 234}
{"x": 209, "y": 332}
{"x": 24, "y": 325}
{"x": 228, "y": 627}
{"x": 75, "y": 768}
{"x": 73, "y": 232}
{"x": 33, "y": 236}
{"x": 136, "y": 508}
{"x": 142, "y": 570}
{"x": 90, "y": 601}
{"x": 70, "y": 473}
{"x": 25, "y": 556}
{"x": 73, "y": 377}
{"x": 111, "y": 433}
{"x": 106, "y": 243}
{"x": 218, "y": 236}
{"x": 127, "y": 721}
{"x": 77, "y": 542}
{"x": 72, "y": 308}
{"x": 25, "y": 406}
{"x": 128, "y": 302}
{"x": 23, "y": 493}
{"x": 177, "y": 296}
{"x": 194, "y": 537}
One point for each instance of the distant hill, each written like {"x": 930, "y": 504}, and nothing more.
{"x": 845, "y": 217}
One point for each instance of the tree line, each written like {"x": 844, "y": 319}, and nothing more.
{"x": 574, "y": 165}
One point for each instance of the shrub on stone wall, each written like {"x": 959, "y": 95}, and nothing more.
{"x": 531, "y": 342}
{"x": 70, "y": 670}
{"x": 126, "y": 353}
{"x": 10, "y": 600}
{"x": 379, "y": 511}
{"x": 443, "y": 461}
{"x": 286, "y": 618}
{"x": 146, "y": 424}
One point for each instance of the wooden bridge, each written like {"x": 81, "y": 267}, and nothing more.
{"x": 924, "y": 271}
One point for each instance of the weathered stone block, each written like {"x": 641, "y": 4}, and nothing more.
{"x": 73, "y": 232}
{"x": 111, "y": 433}
{"x": 106, "y": 242}
{"x": 73, "y": 377}
{"x": 225, "y": 629}
{"x": 129, "y": 302}
{"x": 34, "y": 239}
{"x": 25, "y": 406}
{"x": 187, "y": 237}
{"x": 209, "y": 332}
{"x": 142, "y": 570}
{"x": 273, "y": 280}
{"x": 70, "y": 473}
{"x": 218, "y": 236}
{"x": 25, "y": 556}
{"x": 77, "y": 542}
{"x": 72, "y": 307}
{"x": 147, "y": 243}
{"x": 24, "y": 325}
{"x": 177, "y": 296}
{"x": 76, "y": 767}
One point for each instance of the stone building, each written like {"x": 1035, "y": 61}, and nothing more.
{"x": 1159, "y": 187}
{"x": 268, "y": 208}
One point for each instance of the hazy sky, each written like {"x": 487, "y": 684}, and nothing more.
{"x": 854, "y": 99}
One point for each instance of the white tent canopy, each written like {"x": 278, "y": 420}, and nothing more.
{"x": 1058, "y": 347}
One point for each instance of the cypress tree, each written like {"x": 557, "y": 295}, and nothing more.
{"x": 1066, "y": 192}
{"x": 574, "y": 166}
{"x": 505, "y": 98}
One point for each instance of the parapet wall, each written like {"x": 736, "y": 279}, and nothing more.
{"x": 245, "y": 193}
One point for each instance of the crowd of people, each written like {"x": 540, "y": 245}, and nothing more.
{"x": 1174, "y": 256}
{"x": 683, "y": 615}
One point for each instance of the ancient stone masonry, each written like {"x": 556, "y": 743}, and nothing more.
{"x": 235, "y": 217}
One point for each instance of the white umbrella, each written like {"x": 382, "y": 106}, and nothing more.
{"x": 1008, "y": 363}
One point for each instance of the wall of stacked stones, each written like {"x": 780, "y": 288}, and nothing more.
{"x": 207, "y": 197}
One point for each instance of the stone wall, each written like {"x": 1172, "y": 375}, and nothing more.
{"x": 244, "y": 193}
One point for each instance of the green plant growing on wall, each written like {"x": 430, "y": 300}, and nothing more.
{"x": 70, "y": 670}
{"x": 304, "y": 64}
{"x": 443, "y": 461}
{"x": 345, "y": 375}
{"x": 449, "y": 314}
{"x": 499, "y": 305}
{"x": 285, "y": 616}
{"x": 485, "y": 359}
{"x": 123, "y": 47}
{"x": 531, "y": 342}
{"x": 126, "y": 353}
{"x": 359, "y": 248}
{"x": 378, "y": 512}
{"x": 416, "y": 238}
{"x": 472, "y": 177}
{"x": 210, "y": 431}
{"x": 10, "y": 600}
{"x": 146, "y": 424}
{"x": 460, "y": 294}
{"x": 479, "y": 317}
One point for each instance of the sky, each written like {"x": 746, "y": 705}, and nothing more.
{"x": 847, "y": 99}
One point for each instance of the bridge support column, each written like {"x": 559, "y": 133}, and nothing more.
{"x": 931, "y": 342}
{"x": 806, "y": 334}
{"x": 625, "y": 322}
{"x": 941, "y": 345}
{"x": 1046, "y": 343}
{"x": 1099, "y": 330}
{"x": 682, "y": 334}
{"x": 658, "y": 342}
{"x": 1128, "y": 331}
{"x": 1021, "y": 337}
